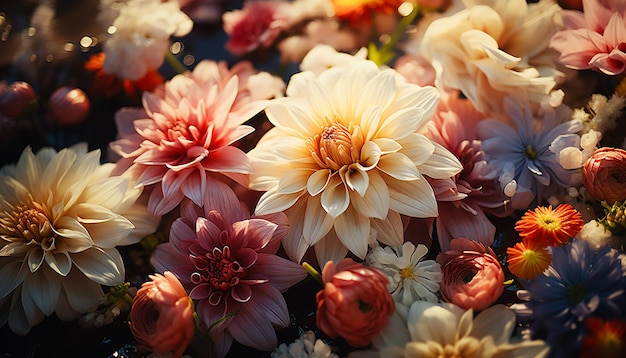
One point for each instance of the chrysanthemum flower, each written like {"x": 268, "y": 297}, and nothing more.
{"x": 227, "y": 262}
{"x": 579, "y": 283}
{"x": 344, "y": 156}
{"x": 411, "y": 277}
{"x": 527, "y": 259}
{"x": 550, "y": 227}
{"x": 181, "y": 140}
{"x": 61, "y": 217}
{"x": 605, "y": 338}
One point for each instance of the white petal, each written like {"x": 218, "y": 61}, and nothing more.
{"x": 335, "y": 198}
{"x": 417, "y": 147}
{"x": 497, "y": 322}
{"x": 294, "y": 181}
{"x": 355, "y": 178}
{"x": 390, "y": 231}
{"x": 412, "y": 198}
{"x": 272, "y": 202}
{"x": 318, "y": 181}
{"x": 294, "y": 244}
{"x": 317, "y": 222}
{"x": 441, "y": 165}
{"x": 398, "y": 166}
{"x": 101, "y": 266}
{"x": 370, "y": 155}
{"x": 330, "y": 248}
{"x": 353, "y": 230}
{"x": 431, "y": 322}
{"x": 43, "y": 288}
{"x": 401, "y": 123}
{"x": 375, "y": 202}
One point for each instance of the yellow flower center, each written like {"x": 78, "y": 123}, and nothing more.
{"x": 30, "y": 224}
{"x": 407, "y": 273}
{"x": 335, "y": 146}
{"x": 530, "y": 152}
{"x": 549, "y": 221}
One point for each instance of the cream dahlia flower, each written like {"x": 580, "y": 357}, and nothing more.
{"x": 485, "y": 50}
{"x": 61, "y": 217}
{"x": 344, "y": 158}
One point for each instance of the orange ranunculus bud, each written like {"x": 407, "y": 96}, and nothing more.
{"x": 604, "y": 174}
{"x": 161, "y": 317}
{"x": 354, "y": 304}
{"x": 472, "y": 275}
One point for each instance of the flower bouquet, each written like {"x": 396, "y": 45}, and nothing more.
{"x": 313, "y": 178}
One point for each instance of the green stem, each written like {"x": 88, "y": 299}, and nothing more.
{"x": 399, "y": 31}
{"x": 313, "y": 272}
{"x": 174, "y": 63}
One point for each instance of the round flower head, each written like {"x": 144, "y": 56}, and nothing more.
{"x": 527, "y": 259}
{"x": 605, "y": 338}
{"x": 604, "y": 174}
{"x": 579, "y": 283}
{"x": 182, "y": 139}
{"x": 61, "y": 217}
{"x": 228, "y": 263}
{"x": 162, "y": 315}
{"x": 472, "y": 275}
{"x": 354, "y": 302}
{"x": 344, "y": 157}
{"x": 550, "y": 227}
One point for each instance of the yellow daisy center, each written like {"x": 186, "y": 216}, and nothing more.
{"x": 548, "y": 221}
{"x": 407, "y": 273}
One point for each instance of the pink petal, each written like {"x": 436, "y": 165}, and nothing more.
{"x": 228, "y": 159}
{"x": 282, "y": 273}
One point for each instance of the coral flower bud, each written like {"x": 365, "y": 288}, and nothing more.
{"x": 604, "y": 174}
{"x": 355, "y": 303}
{"x": 68, "y": 106}
{"x": 16, "y": 99}
{"x": 162, "y": 315}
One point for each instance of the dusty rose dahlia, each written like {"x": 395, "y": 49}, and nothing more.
{"x": 227, "y": 262}
{"x": 344, "y": 157}
{"x": 182, "y": 138}
{"x": 61, "y": 217}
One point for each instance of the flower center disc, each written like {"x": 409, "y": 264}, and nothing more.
{"x": 332, "y": 148}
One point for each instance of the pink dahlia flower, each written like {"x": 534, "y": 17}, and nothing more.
{"x": 182, "y": 138}
{"x": 228, "y": 263}
{"x": 465, "y": 199}
{"x": 472, "y": 275}
{"x": 594, "y": 38}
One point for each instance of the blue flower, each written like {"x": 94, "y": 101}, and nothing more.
{"x": 580, "y": 283}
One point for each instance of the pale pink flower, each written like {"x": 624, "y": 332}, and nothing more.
{"x": 345, "y": 157}
{"x": 472, "y": 275}
{"x": 182, "y": 138}
{"x": 354, "y": 303}
{"x": 594, "y": 38}
{"x": 416, "y": 70}
{"x": 62, "y": 215}
{"x": 258, "y": 24}
{"x": 161, "y": 317}
{"x": 465, "y": 199}
{"x": 228, "y": 263}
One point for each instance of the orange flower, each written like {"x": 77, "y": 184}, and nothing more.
{"x": 604, "y": 338}
{"x": 359, "y": 11}
{"x": 527, "y": 259}
{"x": 162, "y": 315}
{"x": 548, "y": 227}
{"x": 110, "y": 85}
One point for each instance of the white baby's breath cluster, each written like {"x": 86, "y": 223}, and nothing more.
{"x": 304, "y": 347}
{"x": 595, "y": 234}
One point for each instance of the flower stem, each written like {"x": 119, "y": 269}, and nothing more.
{"x": 313, "y": 272}
{"x": 385, "y": 53}
{"x": 174, "y": 63}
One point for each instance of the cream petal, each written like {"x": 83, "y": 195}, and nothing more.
{"x": 90, "y": 213}
{"x": 355, "y": 178}
{"x": 112, "y": 233}
{"x": 294, "y": 244}
{"x": 273, "y": 202}
{"x": 412, "y": 198}
{"x": 390, "y": 230}
{"x": 398, "y": 166}
{"x": 15, "y": 249}
{"x": 428, "y": 321}
{"x": 103, "y": 266}
{"x": 316, "y": 222}
{"x": 30, "y": 172}
{"x": 14, "y": 274}
{"x": 34, "y": 315}
{"x": 353, "y": 230}
{"x": 69, "y": 228}
{"x": 294, "y": 181}
{"x": 374, "y": 203}
{"x": 497, "y": 321}
{"x": 335, "y": 198}
{"x": 318, "y": 181}
{"x": 370, "y": 155}
{"x": 409, "y": 95}
{"x": 43, "y": 289}
{"x": 73, "y": 182}
{"x": 81, "y": 295}
{"x": 536, "y": 348}
{"x": 387, "y": 145}
{"x": 417, "y": 147}
{"x": 34, "y": 258}
{"x": 379, "y": 91}
{"x": 319, "y": 100}
{"x": 330, "y": 248}
{"x": 60, "y": 263}
{"x": 441, "y": 165}
{"x": 401, "y": 123}
{"x": 370, "y": 121}
{"x": 292, "y": 116}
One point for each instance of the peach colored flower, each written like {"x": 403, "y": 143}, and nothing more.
{"x": 182, "y": 139}
{"x": 604, "y": 174}
{"x": 605, "y": 338}
{"x": 62, "y": 215}
{"x": 258, "y": 24}
{"x": 161, "y": 317}
{"x": 594, "y": 37}
{"x": 485, "y": 52}
{"x": 354, "y": 303}
{"x": 344, "y": 159}
{"x": 550, "y": 227}
{"x": 362, "y": 11}
{"x": 472, "y": 276}
{"x": 227, "y": 261}
{"x": 68, "y": 106}
{"x": 527, "y": 259}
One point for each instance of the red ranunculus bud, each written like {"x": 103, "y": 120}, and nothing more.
{"x": 16, "y": 99}
{"x": 68, "y": 106}
{"x": 604, "y": 174}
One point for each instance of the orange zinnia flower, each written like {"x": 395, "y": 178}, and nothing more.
{"x": 604, "y": 338}
{"x": 110, "y": 85}
{"x": 360, "y": 11}
{"x": 550, "y": 227}
{"x": 527, "y": 259}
